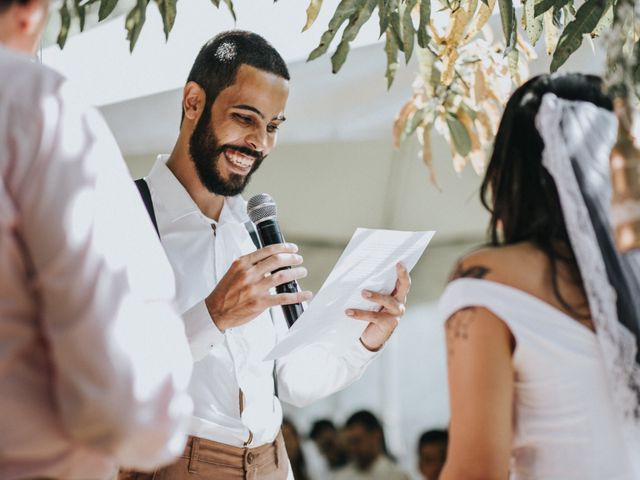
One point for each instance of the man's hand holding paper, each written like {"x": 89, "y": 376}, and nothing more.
{"x": 369, "y": 263}
{"x": 383, "y": 322}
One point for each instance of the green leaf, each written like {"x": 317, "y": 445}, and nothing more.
{"x": 459, "y": 135}
{"x": 312, "y": 13}
{"x": 106, "y": 7}
{"x": 604, "y": 24}
{"x": 65, "y": 23}
{"x": 509, "y": 24}
{"x": 134, "y": 22}
{"x": 394, "y": 26}
{"x": 229, "y": 4}
{"x": 544, "y": 5}
{"x": 356, "y": 21}
{"x": 533, "y": 24}
{"x": 587, "y": 18}
{"x": 425, "y": 14}
{"x": 384, "y": 9}
{"x": 339, "y": 57}
{"x": 408, "y": 30}
{"x": 168, "y": 13}
{"x": 81, "y": 12}
{"x": 345, "y": 9}
{"x": 391, "y": 49}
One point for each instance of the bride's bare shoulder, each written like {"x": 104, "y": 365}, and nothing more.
{"x": 510, "y": 264}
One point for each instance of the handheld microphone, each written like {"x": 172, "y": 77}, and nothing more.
{"x": 262, "y": 211}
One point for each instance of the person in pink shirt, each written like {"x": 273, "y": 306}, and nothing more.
{"x": 94, "y": 362}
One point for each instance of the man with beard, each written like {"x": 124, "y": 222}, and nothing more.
{"x": 233, "y": 104}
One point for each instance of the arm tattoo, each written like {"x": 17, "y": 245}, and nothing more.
{"x": 474, "y": 271}
{"x": 457, "y": 327}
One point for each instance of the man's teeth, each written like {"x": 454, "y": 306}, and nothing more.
{"x": 239, "y": 160}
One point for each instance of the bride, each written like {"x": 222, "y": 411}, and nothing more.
{"x": 542, "y": 329}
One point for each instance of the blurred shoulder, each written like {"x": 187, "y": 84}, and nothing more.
{"x": 509, "y": 264}
{"x": 25, "y": 80}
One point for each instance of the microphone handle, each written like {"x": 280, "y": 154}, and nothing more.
{"x": 269, "y": 233}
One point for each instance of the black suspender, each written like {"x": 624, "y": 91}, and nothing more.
{"x": 145, "y": 193}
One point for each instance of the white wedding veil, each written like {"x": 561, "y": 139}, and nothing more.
{"x": 578, "y": 137}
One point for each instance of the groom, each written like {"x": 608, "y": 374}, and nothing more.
{"x": 233, "y": 105}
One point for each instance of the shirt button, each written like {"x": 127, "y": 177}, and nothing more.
{"x": 250, "y": 458}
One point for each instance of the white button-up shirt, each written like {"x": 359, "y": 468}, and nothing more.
{"x": 94, "y": 363}
{"x": 230, "y": 362}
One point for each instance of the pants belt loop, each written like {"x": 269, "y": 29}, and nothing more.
{"x": 193, "y": 457}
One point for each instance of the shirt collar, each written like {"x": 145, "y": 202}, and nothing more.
{"x": 178, "y": 203}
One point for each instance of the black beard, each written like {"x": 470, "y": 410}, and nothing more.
{"x": 206, "y": 153}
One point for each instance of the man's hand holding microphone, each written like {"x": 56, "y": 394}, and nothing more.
{"x": 245, "y": 291}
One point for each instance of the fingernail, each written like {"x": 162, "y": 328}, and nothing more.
{"x": 293, "y": 246}
{"x": 349, "y": 312}
{"x": 307, "y": 296}
{"x": 367, "y": 294}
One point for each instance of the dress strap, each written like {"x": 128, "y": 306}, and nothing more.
{"x": 471, "y": 292}
{"x": 518, "y": 309}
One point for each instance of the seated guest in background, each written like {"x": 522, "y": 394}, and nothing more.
{"x": 293, "y": 445}
{"x": 94, "y": 362}
{"x": 543, "y": 375}
{"x": 367, "y": 449}
{"x": 432, "y": 453}
{"x": 329, "y": 443}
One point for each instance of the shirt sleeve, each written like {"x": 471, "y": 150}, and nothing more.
{"x": 120, "y": 357}
{"x": 202, "y": 333}
{"x": 319, "y": 369}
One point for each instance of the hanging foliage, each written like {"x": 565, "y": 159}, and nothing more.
{"x": 465, "y": 74}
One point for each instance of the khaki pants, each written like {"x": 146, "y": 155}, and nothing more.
{"x": 205, "y": 459}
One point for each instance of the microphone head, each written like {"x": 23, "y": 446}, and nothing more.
{"x": 261, "y": 207}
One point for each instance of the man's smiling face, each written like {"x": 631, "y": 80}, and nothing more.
{"x": 235, "y": 134}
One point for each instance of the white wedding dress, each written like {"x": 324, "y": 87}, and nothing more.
{"x": 566, "y": 425}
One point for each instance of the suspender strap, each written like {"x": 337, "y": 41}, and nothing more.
{"x": 145, "y": 193}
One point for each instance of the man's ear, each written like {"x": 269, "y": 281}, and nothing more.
{"x": 193, "y": 101}
{"x": 30, "y": 16}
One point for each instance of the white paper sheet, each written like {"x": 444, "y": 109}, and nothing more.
{"x": 368, "y": 262}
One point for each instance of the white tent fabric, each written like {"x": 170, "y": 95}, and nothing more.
{"x": 99, "y": 59}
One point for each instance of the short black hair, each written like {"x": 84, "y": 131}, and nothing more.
{"x": 433, "y": 436}
{"x": 216, "y": 66}
{"x": 5, "y": 4}
{"x": 366, "y": 419}
{"x": 370, "y": 423}
{"x": 320, "y": 426}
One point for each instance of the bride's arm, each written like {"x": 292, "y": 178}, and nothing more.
{"x": 481, "y": 376}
